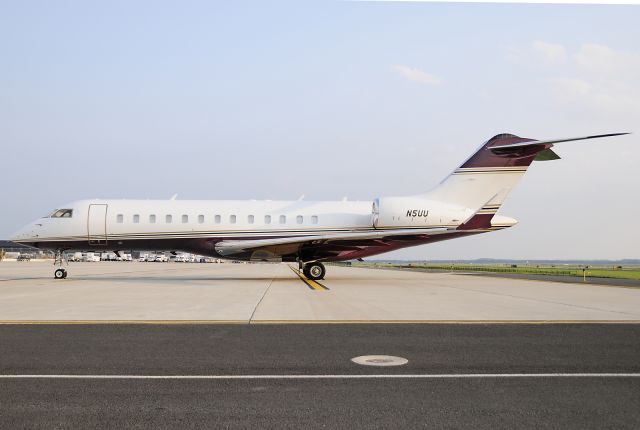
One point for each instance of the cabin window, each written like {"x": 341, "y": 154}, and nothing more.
{"x": 185, "y": 219}
{"x": 168, "y": 219}
{"x": 218, "y": 219}
{"x": 314, "y": 219}
{"x": 232, "y": 219}
{"x": 152, "y": 219}
{"x": 120, "y": 219}
{"x": 267, "y": 219}
{"x": 299, "y": 219}
{"x": 200, "y": 219}
{"x": 136, "y": 219}
{"x": 283, "y": 219}
{"x": 62, "y": 213}
{"x": 250, "y": 219}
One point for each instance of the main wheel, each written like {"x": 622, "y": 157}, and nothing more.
{"x": 60, "y": 274}
{"x": 314, "y": 271}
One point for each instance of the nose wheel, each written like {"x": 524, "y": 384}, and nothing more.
{"x": 314, "y": 271}
{"x": 59, "y": 273}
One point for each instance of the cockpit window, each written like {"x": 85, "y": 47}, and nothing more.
{"x": 62, "y": 213}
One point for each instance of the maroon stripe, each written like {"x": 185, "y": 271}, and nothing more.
{"x": 478, "y": 221}
{"x": 516, "y": 157}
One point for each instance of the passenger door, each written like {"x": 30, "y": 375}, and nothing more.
{"x": 97, "y": 225}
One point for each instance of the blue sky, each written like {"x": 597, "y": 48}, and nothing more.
{"x": 326, "y": 99}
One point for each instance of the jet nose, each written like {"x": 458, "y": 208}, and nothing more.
{"x": 24, "y": 235}
{"x": 16, "y": 236}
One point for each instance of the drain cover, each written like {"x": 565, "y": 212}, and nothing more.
{"x": 379, "y": 360}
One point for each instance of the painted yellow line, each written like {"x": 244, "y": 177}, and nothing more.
{"x": 213, "y": 322}
{"x": 315, "y": 285}
{"x": 310, "y": 283}
{"x": 274, "y": 322}
{"x": 460, "y": 322}
{"x": 107, "y": 322}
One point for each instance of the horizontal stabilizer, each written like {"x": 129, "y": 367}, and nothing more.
{"x": 497, "y": 148}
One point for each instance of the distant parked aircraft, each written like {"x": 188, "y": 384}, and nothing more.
{"x": 307, "y": 232}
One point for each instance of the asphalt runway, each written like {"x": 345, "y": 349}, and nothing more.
{"x": 301, "y": 376}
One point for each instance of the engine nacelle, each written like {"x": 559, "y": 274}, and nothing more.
{"x": 416, "y": 212}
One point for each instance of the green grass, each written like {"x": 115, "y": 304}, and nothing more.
{"x": 591, "y": 272}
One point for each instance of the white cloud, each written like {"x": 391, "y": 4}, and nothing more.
{"x": 551, "y": 53}
{"x": 417, "y": 75}
{"x": 595, "y": 78}
{"x": 570, "y": 88}
{"x": 603, "y": 96}
{"x": 601, "y": 59}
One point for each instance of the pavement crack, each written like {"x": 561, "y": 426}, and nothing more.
{"x": 261, "y": 298}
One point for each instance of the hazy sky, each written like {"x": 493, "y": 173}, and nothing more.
{"x": 271, "y": 101}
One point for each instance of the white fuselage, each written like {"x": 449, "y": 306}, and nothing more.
{"x": 114, "y": 220}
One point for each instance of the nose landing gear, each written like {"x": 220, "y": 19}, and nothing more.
{"x": 59, "y": 273}
{"x": 314, "y": 271}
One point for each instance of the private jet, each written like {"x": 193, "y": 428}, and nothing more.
{"x": 306, "y": 232}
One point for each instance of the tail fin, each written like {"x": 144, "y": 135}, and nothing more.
{"x": 489, "y": 175}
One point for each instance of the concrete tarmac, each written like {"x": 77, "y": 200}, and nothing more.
{"x": 613, "y": 282}
{"x": 259, "y": 293}
{"x": 567, "y": 376}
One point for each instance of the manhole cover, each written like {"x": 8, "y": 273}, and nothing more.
{"x": 379, "y": 360}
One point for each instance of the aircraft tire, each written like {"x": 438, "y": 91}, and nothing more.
{"x": 60, "y": 274}
{"x": 314, "y": 271}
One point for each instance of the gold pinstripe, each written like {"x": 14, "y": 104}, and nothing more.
{"x": 523, "y": 168}
{"x": 226, "y": 233}
{"x": 484, "y": 173}
{"x": 358, "y": 321}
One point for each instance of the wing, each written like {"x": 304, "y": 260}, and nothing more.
{"x": 274, "y": 248}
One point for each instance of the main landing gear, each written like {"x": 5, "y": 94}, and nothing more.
{"x": 59, "y": 273}
{"x": 314, "y": 271}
